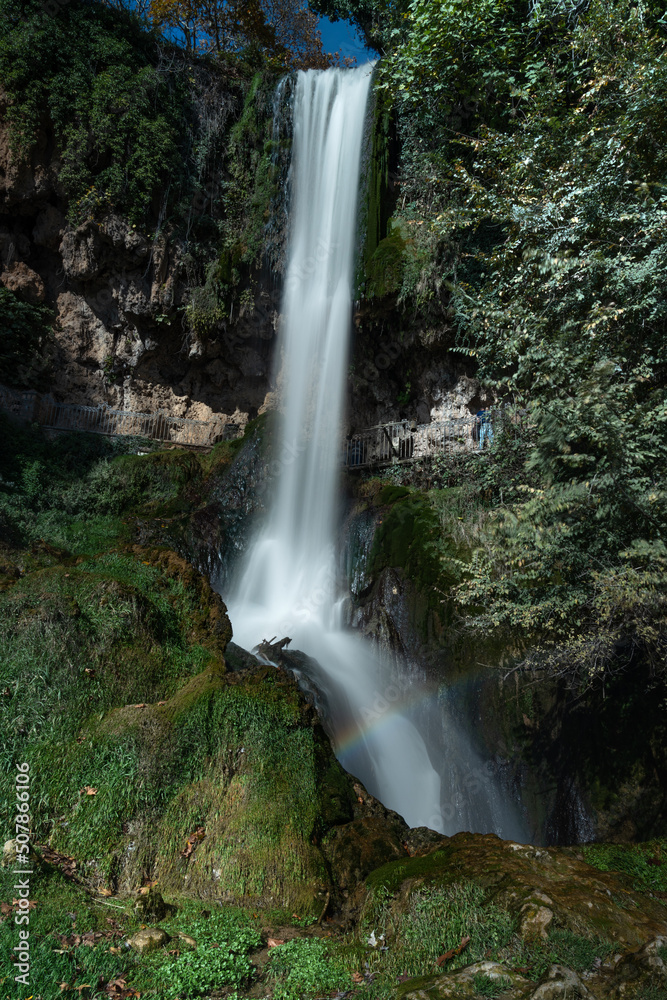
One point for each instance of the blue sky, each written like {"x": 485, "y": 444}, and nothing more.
{"x": 341, "y": 35}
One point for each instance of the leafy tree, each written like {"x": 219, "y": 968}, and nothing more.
{"x": 376, "y": 19}
{"x": 92, "y": 76}
{"x": 24, "y": 329}
{"x": 284, "y": 30}
{"x": 539, "y": 209}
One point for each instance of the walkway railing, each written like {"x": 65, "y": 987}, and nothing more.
{"x": 32, "y": 407}
{"x": 407, "y": 441}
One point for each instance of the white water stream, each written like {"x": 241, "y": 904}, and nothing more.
{"x": 287, "y": 584}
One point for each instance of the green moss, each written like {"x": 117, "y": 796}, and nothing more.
{"x": 388, "y": 878}
{"x": 645, "y": 863}
{"x": 408, "y": 536}
{"x": 386, "y": 268}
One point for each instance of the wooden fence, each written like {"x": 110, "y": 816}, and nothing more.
{"x": 31, "y": 407}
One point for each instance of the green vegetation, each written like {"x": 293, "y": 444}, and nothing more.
{"x": 531, "y": 221}
{"x": 66, "y": 909}
{"x": 485, "y": 986}
{"x": 645, "y": 863}
{"x": 24, "y": 329}
{"x": 92, "y": 74}
{"x": 220, "y": 959}
{"x": 180, "y": 146}
{"x": 436, "y": 920}
{"x": 306, "y": 968}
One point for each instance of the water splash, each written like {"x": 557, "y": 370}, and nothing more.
{"x": 288, "y": 584}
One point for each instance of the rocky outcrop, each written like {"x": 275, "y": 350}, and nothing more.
{"x": 560, "y": 911}
{"x": 120, "y": 335}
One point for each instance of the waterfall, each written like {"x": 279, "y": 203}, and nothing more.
{"x": 287, "y": 585}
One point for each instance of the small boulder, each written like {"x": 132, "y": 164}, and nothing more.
{"x": 462, "y": 984}
{"x": 8, "y": 853}
{"x": 151, "y": 907}
{"x": 535, "y": 920}
{"x": 150, "y": 939}
{"x": 561, "y": 984}
{"x": 186, "y": 939}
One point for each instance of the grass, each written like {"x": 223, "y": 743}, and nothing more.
{"x": 435, "y": 921}
{"x": 485, "y": 986}
{"x": 62, "y": 908}
{"x": 562, "y": 947}
{"x": 65, "y": 908}
{"x": 646, "y": 863}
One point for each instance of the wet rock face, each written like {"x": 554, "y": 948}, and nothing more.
{"x": 585, "y": 767}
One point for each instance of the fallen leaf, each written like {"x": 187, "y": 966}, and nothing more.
{"x": 104, "y": 892}
{"x": 114, "y": 951}
{"x": 193, "y": 840}
{"x": 162, "y": 703}
{"x": 527, "y": 722}
{"x": 89, "y": 790}
{"x": 357, "y": 977}
{"x": 274, "y": 942}
{"x": 64, "y": 986}
{"x": 452, "y": 952}
{"x": 142, "y": 704}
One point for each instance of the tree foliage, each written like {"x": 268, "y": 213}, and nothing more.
{"x": 534, "y": 180}
{"x": 285, "y": 31}
{"x": 93, "y": 76}
{"x": 24, "y": 329}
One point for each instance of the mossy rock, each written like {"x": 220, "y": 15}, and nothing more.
{"x": 479, "y": 979}
{"x": 523, "y": 880}
{"x": 222, "y": 791}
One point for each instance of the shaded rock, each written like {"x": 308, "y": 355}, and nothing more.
{"x": 81, "y": 252}
{"x": 149, "y": 939}
{"x": 186, "y": 939}
{"x": 542, "y": 887}
{"x": 238, "y": 658}
{"x": 48, "y": 228}
{"x": 152, "y": 907}
{"x": 356, "y": 849}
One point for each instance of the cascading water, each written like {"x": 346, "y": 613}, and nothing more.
{"x": 287, "y": 585}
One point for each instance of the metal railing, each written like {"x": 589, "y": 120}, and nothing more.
{"x": 32, "y": 407}
{"x": 406, "y": 441}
